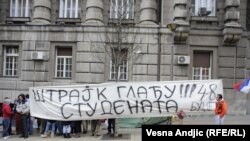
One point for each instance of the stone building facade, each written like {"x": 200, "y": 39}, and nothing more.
{"x": 55, "y": 42}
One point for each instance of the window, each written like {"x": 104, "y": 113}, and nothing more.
{"x": 10, "y": 61}
{"x": 119, "y": 59}
{"x": 121, "y": 9}
{"x": 63, "y": 62}
{"x": 201, "y": 65}
{"x": 203, "y": 7}
{"x": 19, "y": 8}
{"x": 69, "y": 9}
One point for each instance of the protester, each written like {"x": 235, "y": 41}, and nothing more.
{"x": 7, "y": 113}
{"x": 111, "y": 125}
{"x": 95, "y": 127}
{"x": 85, "y": 124}
{"x": 17, "y": 117}
{"x": 50, "y": 125}
{"x": 66, "y": 129}
{"x": 220, "y": 109}
{"x": 27, "y": 97}
{"x": 23, "y": 108}
{"x": 76, "y": 128}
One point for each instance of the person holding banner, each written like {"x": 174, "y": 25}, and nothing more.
{"x": 111, "y": 125}
{"x": 220, "y": 109}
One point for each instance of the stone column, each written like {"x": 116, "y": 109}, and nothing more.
{"x": 42, "y": 12}
{"x": 94, "y": 13}
{"x": 148, "y": 10}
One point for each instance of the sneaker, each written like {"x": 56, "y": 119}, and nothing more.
{"x": 6, "y": 137}
{"x": 43, "y": 135}
{"x": 52, "y": 135}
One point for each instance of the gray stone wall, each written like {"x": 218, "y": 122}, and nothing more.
{"x": 158, "y": 49}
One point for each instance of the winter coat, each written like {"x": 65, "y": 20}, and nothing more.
{"x": 7, "y": 112}
{"x": 23, "y": 107}
{"x": 221, "y": 108}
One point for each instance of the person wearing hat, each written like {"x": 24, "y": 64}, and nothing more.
{"x": 7, "y": 113}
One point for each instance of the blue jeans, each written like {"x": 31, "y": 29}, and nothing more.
{"x": 6, "y": 125}
{"x": 50, "y": 125}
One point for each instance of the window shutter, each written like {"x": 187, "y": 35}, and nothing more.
{"x": 201, "y": 59}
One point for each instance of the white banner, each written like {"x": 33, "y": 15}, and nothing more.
{"x": 123, "y": 100}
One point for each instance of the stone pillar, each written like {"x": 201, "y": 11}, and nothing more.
{"x": 148, "y": 10}
{"x": 94, "y": 13}
{"x": 232, "y": 29}
{"x": 42, "y": 12}
{"x": 180, "y": 15}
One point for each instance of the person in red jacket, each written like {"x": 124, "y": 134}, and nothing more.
{"x": 7, "y": 113}
{"x": 220, "y": 109}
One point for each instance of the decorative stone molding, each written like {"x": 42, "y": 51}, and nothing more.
{"x": 232, "y": 3}
{"x": 182, "y": 32}
{"x": 94, "y": 13}
{"x": 180, "y": 14}
{"x": 42, "y": 9}
{"x": 232, "y": 33}
{"x": 232, "y": 30}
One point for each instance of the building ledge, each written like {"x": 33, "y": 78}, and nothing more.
{"x": 73, "y": 21}
{"x": 17, "y": 20}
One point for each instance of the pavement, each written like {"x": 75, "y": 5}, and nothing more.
{"x": 134, "y": 134}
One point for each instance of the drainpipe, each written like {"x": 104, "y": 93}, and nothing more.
{"x": 159, "y": 5}
{"x": 159, "y": 55}
{"x": 235, "y": 64}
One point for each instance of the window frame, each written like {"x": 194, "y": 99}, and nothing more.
{"x": 114, "y": 12}
{"x": 112, "y": 73}
{"x": 214, "y": 56}
{"x": 15, "y": 55}
{"x": 64, "y": 70}
{"x": 201, "y": 75}
{"x": 14, "y": 11}
{"x": 197, "y": 4}
{"x": 211, "y": 69}
{"x": 73, "y": 12}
